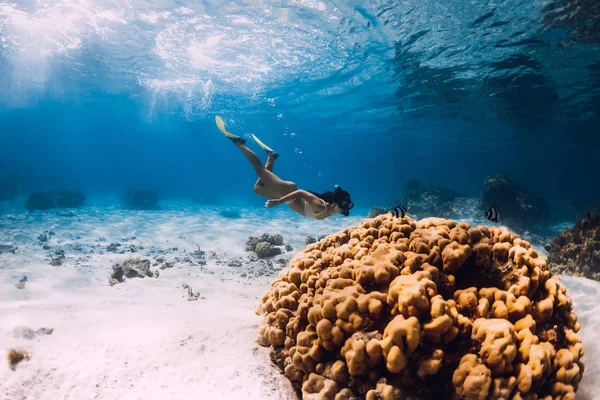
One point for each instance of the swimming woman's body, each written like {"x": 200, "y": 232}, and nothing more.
{"x": 278, "y": 191}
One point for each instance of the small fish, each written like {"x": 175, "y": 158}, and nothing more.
{"x": 399, "y": 211}
{"x": 492, "y": 214}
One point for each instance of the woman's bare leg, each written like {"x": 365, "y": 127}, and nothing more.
{"x": 266, "y": 177}
{"x": 270, "y": 162}
{"x": 268, "y": 185}
{"x": 259, "y": 187}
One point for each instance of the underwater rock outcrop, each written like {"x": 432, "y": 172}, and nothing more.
{"x": 5, "y": 248}
{"x": 40, "y": 201}
{"x": 392, "y": 308}
{"x": 26, "y": 332}
{"x": 576, "y": 251}
{"x": 376, "y": 211}
{"x": 231, "y": 214}
{"x": 430, "y": 200}
{"x": 132, "y": 268}
{"x": 21, "y": 283}
{"x": 70, "y": 199}
{"x": 141, "y": 200}
{"x": 58, "y": 258}
{"x": 520, "y": 208}
{"x": 266, "y": 245}
{"x": 310, "y": 240}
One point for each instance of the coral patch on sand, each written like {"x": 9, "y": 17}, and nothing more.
{"x": 15, "y": 356}
{"x": 576, "y": 251}
{"x": 434, "y": 309}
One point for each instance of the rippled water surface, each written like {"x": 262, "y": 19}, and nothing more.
{"x": 444, "y": 91}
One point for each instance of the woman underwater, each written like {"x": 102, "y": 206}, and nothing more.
{"x": 278, "y": 191}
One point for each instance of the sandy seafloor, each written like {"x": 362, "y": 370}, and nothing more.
{"x": 142, "y": 339}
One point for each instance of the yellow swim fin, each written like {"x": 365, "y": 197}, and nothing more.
{"x": 231, "y": 136}
{"x": 266, "y": 148}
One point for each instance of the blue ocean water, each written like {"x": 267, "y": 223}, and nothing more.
{"x": 106, "y": 95}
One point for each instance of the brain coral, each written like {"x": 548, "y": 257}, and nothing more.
{"x": 394, "y": 308}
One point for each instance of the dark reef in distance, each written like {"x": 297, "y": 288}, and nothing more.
{"x": 520, "y": 209}
{"x": 70, "y": 199}
{"x": 429, "y": 200}
{"x": 40, "y": 201}
{"x": 141, "y": 200}
{"x": 373, "y": 212}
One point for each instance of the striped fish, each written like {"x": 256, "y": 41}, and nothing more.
{"x": 492, "y": 214}
{"x": 399, "y": 211}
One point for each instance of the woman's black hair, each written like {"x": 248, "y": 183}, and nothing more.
{"x": 339, "y": 196}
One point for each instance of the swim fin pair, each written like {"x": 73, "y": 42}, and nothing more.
{"x": 241, "y": 140}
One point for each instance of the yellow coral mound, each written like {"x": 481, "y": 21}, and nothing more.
{"x": 429, "y": 309}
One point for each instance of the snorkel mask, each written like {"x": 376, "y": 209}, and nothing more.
{"x": 346, "y": 206}
{"x": 343, "y": 200}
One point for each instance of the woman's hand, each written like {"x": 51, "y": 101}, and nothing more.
{"x": 272, "y": 203}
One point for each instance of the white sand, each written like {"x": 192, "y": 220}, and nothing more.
{"x": 142, "y": 339}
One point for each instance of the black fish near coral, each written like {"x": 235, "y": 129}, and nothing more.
{"x": 399, "y": 211}
{"x": 492, "y": 214}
